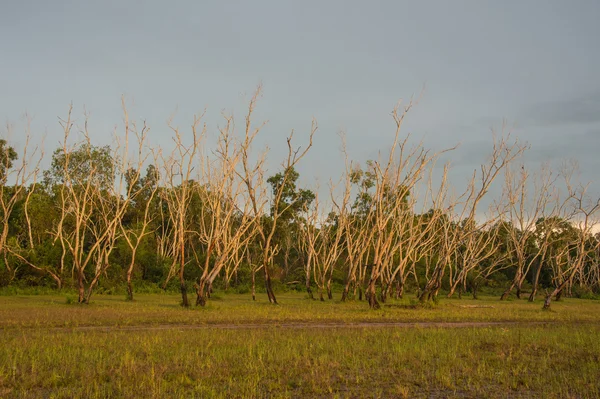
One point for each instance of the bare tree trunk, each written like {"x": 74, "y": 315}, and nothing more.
{"x": 93, "y": 284}
{"x": 453, "y": 289}
{"x": 269, "y": 287}
{"x": 200, "y": 292}
{"x": 507, "y": 292}
{"x": 436, "y": 291}
{"x": 308, "y": 289}
{"x": 253, "y": 285}
{"x": 399, "y": 287}
{"x": 371, "y": 295}
{"x": 346, "y": 290}
{"x": 129, "y": 290}
{"x": 430, "y": 290}
{"x": 559, "y": 294}
{"x": 569, "y": 288}
{"x": 384, "y": 293}
{"x": 547, "y": 300}
{"x": 80, "y": 286}
{"x": 536, "y": 280}
{"x": 184, "y": 298}
{"x": 424, "y": 295}
{"x": 129, "y": 284}
{"x": 286, "y": 262}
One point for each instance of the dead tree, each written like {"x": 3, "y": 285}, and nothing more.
{"x": 91, "y": 204}
{"x": 416, "y": 234}
{"x": 21, "y": 170}
{"x": 310, "y": 244}
{"x": 524, "y": 210}
{"x": 177, "y": 173}
{"x": 478, "y": 247}
{"x": 357, "y": 231}
{"x": 254, "y": 177}
{"x": 585, "y": 215}
{"x": 140, "y": 191}
{"x": 226, "y": 222}
{"x": 466, "y": 205}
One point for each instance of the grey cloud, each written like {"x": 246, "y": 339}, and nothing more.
{"x": 571, "y": 144}
{"x": 584, "y": 109}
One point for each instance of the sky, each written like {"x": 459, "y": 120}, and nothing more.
{"x": 532, "y": 65}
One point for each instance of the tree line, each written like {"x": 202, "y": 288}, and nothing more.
{"x": 199, "y": 217}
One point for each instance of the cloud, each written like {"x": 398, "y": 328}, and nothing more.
{"x": 566, "y": 143}
{"x": 584, "y": 109}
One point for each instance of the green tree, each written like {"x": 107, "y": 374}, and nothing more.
{"x": 292, "y": 202}
{"x": 83, "y": 179}
{"x": 7, "y": 156}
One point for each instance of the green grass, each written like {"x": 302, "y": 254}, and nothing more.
{"x": 43, "y": 353}
{"x": 53, "y": 310}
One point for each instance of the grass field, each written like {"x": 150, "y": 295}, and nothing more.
{"x": 238, "y": 348}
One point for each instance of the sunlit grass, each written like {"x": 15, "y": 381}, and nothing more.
{"x": 53, "y": 310}
{"x": 485, "y": 362}
{"x": 559, "y": 359}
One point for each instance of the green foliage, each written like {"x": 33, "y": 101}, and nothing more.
{"x": 38, "y": 259}
{"x": 585, "y": 293}
{"x": 242, "y": 289}
{"x": 293, "y": 200}
{"x": 87, "y": 163}
{"x": 7, "y": 156}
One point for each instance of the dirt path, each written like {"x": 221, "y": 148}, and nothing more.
{"x": 300, "y": 326}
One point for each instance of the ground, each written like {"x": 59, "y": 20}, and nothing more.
{"x": 234, "y": 347}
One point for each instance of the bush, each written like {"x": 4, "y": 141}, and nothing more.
{"x": 242, "y": 289}
{"x": 585, "y": 293}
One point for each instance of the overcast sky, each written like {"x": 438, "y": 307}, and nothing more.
{"x": 534, "y": 64}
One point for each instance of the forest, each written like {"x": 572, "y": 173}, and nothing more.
{"x": 195, "y": 219}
